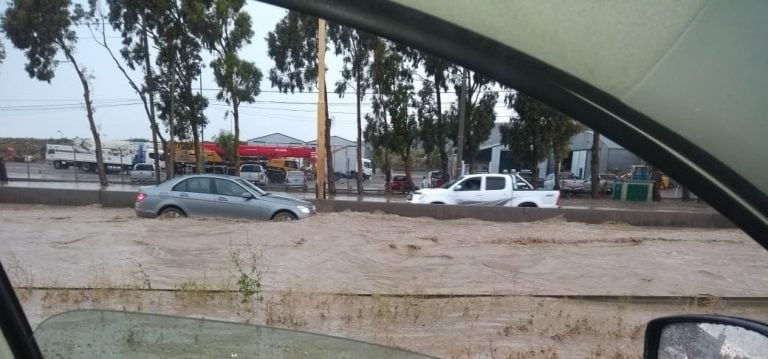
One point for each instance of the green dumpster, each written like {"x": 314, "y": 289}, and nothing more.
{"x": 635, "y": 191}
{"x": 616, "y": 191}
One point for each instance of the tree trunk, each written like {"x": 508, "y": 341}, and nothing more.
{"x": 170, "y": 162}
{"x": 534, "y": 169}
{"x": 236, "y": 145}
{"x": 441, "y": 130}
{"x": 328, "y": 153}
{"x": 387, "y": 164}
{"x": 89, "y": 111}
{"x": 407, "y": 164}
{"x": 463, "y": 101}
{"x": 151, "y": 94}
{"x": 359, "y": 172}
{"x": 595, "y": 170}
{"x": 558, "y": 165}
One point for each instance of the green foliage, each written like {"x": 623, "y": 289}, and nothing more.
{"x": 226, "y": 140}
{"x": 537, "y": 131}
{"x": 42, "y": 28}
{"x": 136, "y": 18}
{"x": 293, "y": 47}
{"x": 239, "y": 79}
{"x": 248, "y": 276}
{"x": 2, "y": 52}
{"x": 356, "y": 50}
{"x": 480, "y": 114}
{"x": 224, "y": 28}
{"x": 222, "y": 25}
{"x": 427, "y": 116}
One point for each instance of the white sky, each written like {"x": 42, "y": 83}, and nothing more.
{"x": 30, "y": 108}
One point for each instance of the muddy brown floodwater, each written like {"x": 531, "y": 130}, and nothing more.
{"x": 408, "y": 282}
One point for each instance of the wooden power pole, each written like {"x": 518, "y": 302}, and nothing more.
{"x": 320, "y": 149}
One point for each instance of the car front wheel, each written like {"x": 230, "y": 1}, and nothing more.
{"x": 283, "y": 217}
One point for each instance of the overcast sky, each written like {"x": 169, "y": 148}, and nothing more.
{"x": 30, "y": 108}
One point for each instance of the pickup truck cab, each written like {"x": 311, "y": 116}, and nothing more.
{"x": 144, "y": 173}
{"x": 508, "y": 190}
{"x": 254, "y": 173}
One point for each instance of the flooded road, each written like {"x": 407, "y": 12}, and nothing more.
{"x": 369, "y": 253}
{"x": 66, "y": 258}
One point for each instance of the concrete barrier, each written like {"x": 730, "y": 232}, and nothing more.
{"x": 75, "y": 197}
{"x": 515, "y": 214}
{"x": 50, "y": 196}
{"x": 117, "y": 199}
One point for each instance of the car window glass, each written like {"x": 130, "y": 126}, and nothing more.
{"x": 228, "y": 188}
{"x": 194, "y": 185}
{"x": 248, "y": 169}
{"x": 180, "y": 187}
{"x": 471, "y": 184}
{"x": 495, "y": 183}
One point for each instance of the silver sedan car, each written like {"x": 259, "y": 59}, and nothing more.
{"x": 217, "y": 196}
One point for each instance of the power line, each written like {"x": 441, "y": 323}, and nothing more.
{"x": 63, "y": 107}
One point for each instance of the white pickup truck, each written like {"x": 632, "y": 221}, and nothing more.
{"x": 145, "y": 173}
{"x": 508, "y": 190}
{"x": 254, "y": 173}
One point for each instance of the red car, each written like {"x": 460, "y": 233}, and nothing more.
{"x": 400, "y": 183}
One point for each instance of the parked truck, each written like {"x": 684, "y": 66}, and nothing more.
{"x": 254, "y": 173}
{"x": 145, "y": 173}
{"x": 510, "y": 190}
{"x": 145, "y": 153}
{"x": 65, "y": 156}
{"x": 345, "y": 164}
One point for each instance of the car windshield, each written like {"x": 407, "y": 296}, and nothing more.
{"x": 251, "y": 186}
{"x": 250, "y": 168}
{"x": 452, "y": 182}
{"x": 327, "y": 259}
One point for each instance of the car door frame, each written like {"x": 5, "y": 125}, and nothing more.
{"x": 195, "y": 204}
{"x": 469, "y": 197}
{"x": 229, "y": 206}
{"x": 497, "y": 195}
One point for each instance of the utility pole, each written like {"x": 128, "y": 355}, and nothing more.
{"x": 320, "y": 164}
{"x": 462, "y": 115}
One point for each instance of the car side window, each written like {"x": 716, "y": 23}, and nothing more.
{"x": 194, "y": 185}
{"x": 471, "y": 184}
{"x": 495, "y": 183}
{"x": 523, "y": 186}
{"x": 228, "y": 188}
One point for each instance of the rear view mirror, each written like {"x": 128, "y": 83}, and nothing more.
{"x": 247, "y": 195}
{"x": 705, "y": 336}
{"x": 457, "y": 187}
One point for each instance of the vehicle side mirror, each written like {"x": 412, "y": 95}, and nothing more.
{"x": 247, "y": 195}
{"x": 705, "y": 336}
{"x": 457, "y": 187}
